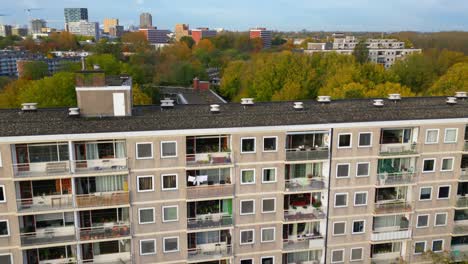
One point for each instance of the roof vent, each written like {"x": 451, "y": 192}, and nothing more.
{"x": 28, "y": 107}
{"x": 324, "y": 99}
{"x": 461, "y": 95}
{"x": 75, "y": 111}
{"x": 247, "y": 101}
{"x": 394, "y": 97}
{"x": 214, "y": 108}
{"x": 298, "y": 105}
{"x": 378, "y": 102}
{"x": 451, "y": 100}
{"x": 167, "y": 103}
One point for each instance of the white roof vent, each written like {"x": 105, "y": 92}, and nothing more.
{"x": 214, "y": 108}
{"x": 167, "y": 103}
{"x": 378, "y": 102}
{"x": 451, "y": 100}
{"x": 29, "y": 107}
{"x": 247, "y": 101}
{"x": 461, "y": 95}
{"x": 75, "y": 111}
{"x": 323, "y": 99}
{"x": 394, "y": 97}
{"x": 298, "y": 105}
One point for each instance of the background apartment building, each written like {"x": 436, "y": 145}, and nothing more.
{"x": 234, "y": 183}
{"x": 84, "y": 28}
{"x": 262, "y": 33}
{"x": 75, "y": 15}
{"x": 146, "y": 20}
{"x": 110, "y": 23}
{"x": 201, "y": 33}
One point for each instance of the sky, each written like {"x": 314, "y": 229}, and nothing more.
{"x": 286, "y": 15}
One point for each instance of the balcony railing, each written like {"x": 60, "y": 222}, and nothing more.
{"x": 48, "y": 236}
{"x": 209, "y": 159}
{"x": 45, "y": 203}
{"x": 38, "y": 169}
{"x": 387, "y": 258}
{"x": 314, "y": 241}
{"x": 464, "y": 174}
{"x": 64, "y": 260}
{"x": 459, "y": 253}
{"x": 208, "y": 191}
{"x": 305, "y": 184}
{"x": 209, "y": 221}
{"x": 466, "y": 145}
{"x": 397, "y": 234}
{"x": 102, "y": 199}
{"x": 209, "y": 252}
{"x": 307, "y": 154}
{"x": 115, "y": 258}
{"x": 108, "y": 230}
{"x": 99, "y": 165}
{"x": 294, "y": 215}
{"x": 392, "y": 207}
{"x": 395, "y": 178}
{"x": 462, "y": 201}
{"x": 460, "y": 228}
{"x": 398, "y": 149}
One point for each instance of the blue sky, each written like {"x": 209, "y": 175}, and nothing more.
{"x": 327, "y": 15}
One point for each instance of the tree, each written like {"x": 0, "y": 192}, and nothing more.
{"x": 456, "y": 79}
{"x": 140, "y": 98}
{"x": 135, "y": 41}
{"x": 107, "y": 62}
{"x": 361, "y": 52}
{"x": 34, "y": 70}
{"x": 4, "y": 81}
{"x": 188, "y": 41}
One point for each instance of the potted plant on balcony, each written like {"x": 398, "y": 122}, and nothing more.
{"x": 317, "y": 204}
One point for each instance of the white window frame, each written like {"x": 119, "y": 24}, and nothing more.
{"x": 358, "y": 233}
{"x": 246, "y": 230}
{"x": 161, "y": 149}
{"x": 417, "y": 220}
{"x": 361, "y": 192}
{"x": 253, "y": 207}
{"x": 170, "y": 206}
{"x": 344, "y": 229}
{"x": 164, "y": 244}
{"x": 368, "y": 169}
{"x": 144, "y": 143}
{"x": 8, "y": 227}
{"x": 148, "y": 254}
{"x": 251, "y": 259}
{"x": 8, "y": 254}
{"x": 442, "y": 163}
{"x": 435, "y": 218}
{"x": 242, "y": 143}
{"x": 162, "y": 182}
{"x": 351, "y": 254}
{"x": 445, "y": 135}
{"x": 270, "y": 168}
{"x": 425, "y": 247}
{"x": 261, "y": 235}
{"x": 276, "y": 144}
{"x": 442, "y": 247}
{"x": 359, "y": 140}
{"x": 2, "y": 187}
{"x": 449, "y": 192}
{"x": 146, "y": 208}
{"x": 350, "y": 140}
{"x": 254, "y": 177}
{"x": 267, "y": 257}
{"x": 349, "y": 170}
{"x": 274, "y": 209}
{"x": 152, "y": 183}
{"x": 340, "y": 206}
{"x": 338, "y": 261}
{"x": 425, "y": 187}
{"x": 437, "y": 139}
{"x": 435, "y": 164}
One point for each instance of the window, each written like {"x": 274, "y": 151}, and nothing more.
{"x": 447, "y": 164}
{"x": 247, "y": 145}
{"x": 268, "y": 234}
{"x": 246, "y": 261}
{"x": 432, "y": 136}
{"x": 341, "y": 199}
{"x": 6, "y": 258}
{"x": 270, "y": 144}
{"x": 247, "y": 207}
{"x": 423, "y": 221}
{"x": 356, "y": 254}
{"x": 438, "y": 245}
{"x": 169, "y": 182}
{"x": 247, "y": 237}
{"x": 145, "y": 183}
{"x": 168, "y": 149}
{"x": 147, "y": 247}
{"x": 362, "y": 169}
{"x": 337, "y": 256}
{"x": 144, "y": 150}
{"x": 248, "y": 176}
{"x": 440, "y": 219}
{"x": 342, "y": 170}
{"x": 419, "y": 247}
{"x": 2, "y": 194}
{"x": 450, "y": 135}
{"x": 360, "y": 198}
{"x": 170, "y": 213}
{"x": 344, "y": 140}
{"x": 425, "y": 193}
{"x": 268, "y": 260}
{"x": 339, "y": 228}
{"x": 269, "y": 175}
{"x": 359, "y": 226}
{"x": 170, "y": 244}
{"x": 429, "y": 165}
{"x": 4, "y": 228}
{"x": 365, "y": 139}
{"x": 444, "y": 192}
{"x": 146, "y": 215}
{"x": 268, "y": 205}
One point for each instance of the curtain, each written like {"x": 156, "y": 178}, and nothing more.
{"x": 109, "y": 183}
{"x": 120, "y": 150}
{"x": 92, "y": 151}
{"x": 247, "y": 176}
{"x": 432, "y": 136}
{"x": 227, "y": 206}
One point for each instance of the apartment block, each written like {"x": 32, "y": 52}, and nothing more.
{"x": 146, "y": 20}
{"x": 181, "y": 30}
{"x": 346, "y": 181}
{"x": 262, "y": 33}
{"x": 201, "y": 33}
{"x": 110, "y": 23}
{"x": 156, "y": 36}
{"x": 84, "y": 28}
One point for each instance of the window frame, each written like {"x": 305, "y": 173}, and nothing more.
{"x": 449, "y": 192}
{"x": 251, "y": 259}
{"x": 163, "y": 214}
{"x": 364, "y": 227}
{"x": 368, "y": 169}
{"x": 424, "y": 248}
{"x": 442, "y": 247}
{"x": 359, "y": 140}
{"x": 146, "y": 208}
{"x": 350, "y": 140}
{"x": 417, "y": 220}
{"x": 340, "y": 206}
{"x": 437, "y": 138}
{"x": 267, "y": 257}
{"x": 164, "y": 244}
{"x": 254, "y": 145}
{"x": 144, "y": 158}
{"x": 246, "y": 230}
{"x": 7, "y": 227}
{"x": 8, "y": 254}
{"x": 349, "y": 171}
{"x": 269, "y": 168}
{"x": 254, "y": 177}
{"x": 253, "y": 206}
{"x": 2, "y": 187}
{"x": 148, "y": 254}
{"x": 360, "y": 192}
{"x": 344, "y": 228}
{"x": 351, "y": 254}
{"x": 162, "y": 182}
{"x": 425, "y": 187}
{"x": 261, "y": 235}
{"x": 446, "y": 218}
{"x": 337, "y": 261}
{"x": 276, "y": 144}
{"x": 433, "y": 169}
{"x": 161, "y": 149}
{"x": 138, "y": 183}
{"x": 274, "y": 209}
{"x": 445, "y": 135}
{"x": 442, "y": 163}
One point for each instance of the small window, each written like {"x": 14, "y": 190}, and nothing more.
{"x": 4, "y": 228}
{"x": 438, "y": 245}
{"x": 360, "y": 198}
{"x": 359, "y": 226}
{"x": 6, "y": 258}
{"x": 423, "y": 221}
{"x": 440, "y": 219}
{"x": 365, "y": 139}
{"x": 339, "y": 228}
{"x": 344, "y": 140}
{"x": 268, "y": 260}
{"x": 170, "y": 213}
{"x": 337, "y": 256}
{"x": 269, "y": 175}
{"x": 268, "y": 234}
{"x": 425, "y": 193}
{"x": 169, "y": 182}
{"x": 419, "y": 247}
{"x": 246, "y": 261}
{"x": 168, "y": 149}
{"x": 432, "y": 136}
{"x": 341, "y": 199}
{"x": 247, "y": 207}
{"x": 444, "y": 192}
{"x": 447, "y": 164}
{"x": 144, "y": 150}
{"x": 342, "y": 170}
{"x": 247, "y": 237}
{"x": 2, "y": 194}
{"x": 450, "y": 135}
{"x": 268, "y": 205}
{"x": 356, "y": 254}
{"x": 270, "y": 144}
{"x": 145, "y": 183}
{"x": 170, "y": 244}
{"x": 247, "y": 145}
{"x": 146, "y": 215}
{"x": 248, "y": 176}
{"x": 429, "y": 165}
{"x": 147, "y": 247}
{"x": 362, "y": 169}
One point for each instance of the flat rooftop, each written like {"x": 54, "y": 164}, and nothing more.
{"x": 191, "y": 96}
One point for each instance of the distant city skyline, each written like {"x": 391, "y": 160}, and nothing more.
{"x": 332, "y": 15}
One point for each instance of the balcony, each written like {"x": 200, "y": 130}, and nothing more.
{"x": 392, "y": 207}
{"x": 100, "y": 165}
{"x": 312, "y": 145}
{"x": 209, "y": 159}
{"x": 107, "y": 231}
{"x": 45, "y": 203}
{"x": 466, "y": 146}
{"x": 307, "y": 154}
{"x": 103, "y": 199}
{"x": 41, "y": 169}
{"x": 115, "y": 258}
{"x": 210, "y": 221}
{"x": 397, "y": 149}
{"x": 395, "y": 178}
{"x": 303, "y": 206}
{"x": 464, "y": 174}
{"x": 208, "y": 150}
{"x": 459, "y": 252}
{"x": 208, "y": 191}
{"x": 305, "y": 184}
{"x": 397, "y": 234}
{"x": 209, "y": 252}
{"x": 460, "y": 227}
{"x": 304, "y": 214}
{"x": 48, "y": 236}
{"x": 314, "y": 241}
{"x": 462, "y": 201}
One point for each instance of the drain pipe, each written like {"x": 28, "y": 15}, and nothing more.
{"x": 330, "y": 145}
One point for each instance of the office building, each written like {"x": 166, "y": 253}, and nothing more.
{"x": 146, "y": 20}
{"x": 75, "y": 15}
{"x": 116, "y": 31}
{"x": 156, "y": 36}
{"x": 19, "y": 31}
{"x": 262, "y": 33}
{"x": 181, "y": 30}
{"x": 37, "y": 25}
{"x": 5, "y": 30}
{"x": 110, "y": 22}
{"x": 84, "y": 28}
{"x": 201, "y": 33}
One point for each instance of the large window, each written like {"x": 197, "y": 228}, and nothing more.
{"x": 360, "y": 198}
{"x": 344, "y": 140}
{"x": 432, "y": 136}
{"x": 444, "y": 192}
{"x": 269, "y": 175}
{"x": 429, "y": 165}
{"x": 270, "y": 144}
{"x": 168, "y": 149}
{"x": 425, "y": 193}
{"x": 170, "y": 213}
{"x": 247, "y": 207}
{"x": 145, "y": 183}
{"x": 339, "y": 228}
{"x": 144, "y": 150}
{"x": 268, "y": 234}
{"x": 2, "y": 194}
{"x": 247, "y": 236}
{"x": 342, "y": 170}
{"x": 395, "y": 136}
{"x": 359, "y": 226}
{"x": 169, "y": 182}
{"x": 208, "y": 177}
{"x": 365, "y": 139}
{"x": 4, "y": 228}
{"x": 170, "y": 244}
{"x": 341, "y": 199}
{"x": 146, "y": 215}
{"x": 247, "y": 145}
{"x": 248, "y": 176}
{"x": 362, "y": 169}
{"x": 268, "y": 205}
{"x": 207, "y": 144}
{"x": 33, "y": 153}
{"x": 100, "y": 150}
{"x": 450, "y": 135}
{"x": 307, "y": 141}
{"x": 422, "y": 221}
{"x": 337, "y": 256}
{"x": 147, "y": 247}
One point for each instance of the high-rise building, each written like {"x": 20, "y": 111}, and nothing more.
{"x": 110, "y": 22}
{"x": 156, "y": 36}
{"x": 37, "y": 25}
{"x": 116, "y": 31}
{"x": 262, "y": 33}
{"x": 201, "y": 33}
{"x": 75, "y": 15}
{"x": 84, "y": 28}
{"x": 5, "y": 30}
{"x": 19, "y": 31}
{"x": 146, "y": 20}
{"x": 181, "y": 30}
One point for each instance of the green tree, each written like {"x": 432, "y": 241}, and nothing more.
{"x": 4, "y": 81}
{"x": 188, "y": 41}
{"x": 107, "y": 62}
{"x": 34, "y": 70}
{"x": 456, "y": 79}
{"x": 361, "y": 52}
{"x": 139, "y": 97}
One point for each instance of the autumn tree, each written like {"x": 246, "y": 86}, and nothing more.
{"x": 361, "y": 52}
{"x": 188, "y": 40}
{"x": 456, "y": 79}
{"x": 34, "y": 70}
{"x": 136, "y": 41}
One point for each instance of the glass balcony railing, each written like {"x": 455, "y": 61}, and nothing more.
{"x": 209, "y": 159}
{"x": 209, "y": 252}
{"x": 398, "y": 149}
{"x": 389, "y": 207}
{"x": 106, "y": 231}
{"x": 387, "y": 258}
{"x": 392, "y": 233}
{"x": 303, "y": 214}
{"x": 102, "y": 199}
{"x": 462, "y": 201}
{"x": 45, "y": 203}
{"x": 460, "y": 227}
{"x": 307, "y": 242}
{"x": 396, "y": 178}
{"x": 48, "y": 236}
{"x": 100, "y": 165}
{"x": 464, "y": 174}
{"x": 38, "y": 169}
{"x": 466, "y": 145}
{"x": 305, "y": 184}
{"x": 307, "y": 154}
{"x": 115, "y": 258}
{"x": 209, "y": 221}
{"x": 208, "y": 191}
